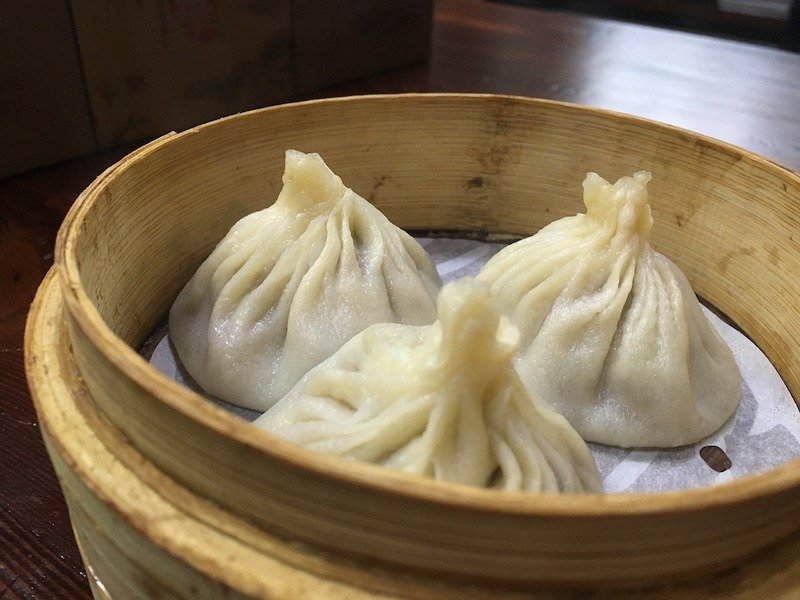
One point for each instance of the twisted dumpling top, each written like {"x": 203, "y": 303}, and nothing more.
{"x": 288, "y": 285}
{"x": 612, "y": 334}
{"x": 442, "y": 401}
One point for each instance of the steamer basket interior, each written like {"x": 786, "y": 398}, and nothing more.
{"x": 466, "y": 163}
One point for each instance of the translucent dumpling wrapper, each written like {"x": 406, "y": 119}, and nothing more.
{"x": 611, "y": 333}
{"x": 442, "y": 401}
{"x": 290, "y": 284}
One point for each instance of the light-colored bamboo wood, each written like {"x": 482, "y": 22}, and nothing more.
{"x": 472, "y": 163}
{"x": 144, "y": 536}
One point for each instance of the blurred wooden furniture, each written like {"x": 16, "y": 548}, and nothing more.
{"x": 741, "y": 93}
{"x": 759, "y": 21}
{"x": 127, "y": 71}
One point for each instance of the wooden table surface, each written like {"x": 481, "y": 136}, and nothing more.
{"x": 744, "y": 94}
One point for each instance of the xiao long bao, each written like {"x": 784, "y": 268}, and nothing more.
{"x": 442, "y": 401}
{"x": 612, "y": 334}
{"x": 290, "y": 284}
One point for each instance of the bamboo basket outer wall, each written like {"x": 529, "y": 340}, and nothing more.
{"x": 143, "y": 536}
{"x": 465, "y": 162}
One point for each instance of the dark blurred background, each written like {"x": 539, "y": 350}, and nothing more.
{"x": 79, "y": 76}
{"x": 771, "y": 22}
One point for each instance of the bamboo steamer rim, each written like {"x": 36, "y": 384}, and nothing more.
{"x": 56, "y": 403}
{"x": 193, "y": 406}
{"x": 249, "y": 570}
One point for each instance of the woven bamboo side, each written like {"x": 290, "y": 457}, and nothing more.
{"x": 144, "y": 536}
{"x": 476, "y": 163}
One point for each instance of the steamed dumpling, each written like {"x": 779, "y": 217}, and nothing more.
{"x": 612, "y": 334}
{"x": 290, "y": 284}
{"x": 441, "y": 401}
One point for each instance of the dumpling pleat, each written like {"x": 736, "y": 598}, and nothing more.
{"x": 612, "y": 335}
{"x": 290, "y": 284}
{"x": 442, "y": 401}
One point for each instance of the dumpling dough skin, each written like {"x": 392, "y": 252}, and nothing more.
{"x": 290, "y": 284}
{"x": 612, "y": 334}
{"x": 442, "y": 401}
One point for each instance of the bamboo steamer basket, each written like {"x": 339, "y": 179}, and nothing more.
{"x": 172, "y": 497}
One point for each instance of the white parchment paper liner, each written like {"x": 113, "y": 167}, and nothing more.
{"x": 763, "y": 433}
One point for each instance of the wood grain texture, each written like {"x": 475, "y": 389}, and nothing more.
{"x": 707, "y": 199}
{"x": 38, "y": 557}
{"x": 744, "y": 94}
